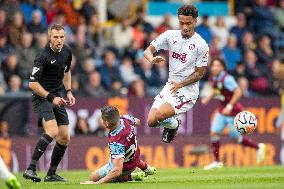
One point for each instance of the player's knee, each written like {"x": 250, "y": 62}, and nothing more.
{"x": 52, "y": 132}
{"x": 64, "y": 139}
{"x": 151, "y": 122}
{"x": 161, "y": 116}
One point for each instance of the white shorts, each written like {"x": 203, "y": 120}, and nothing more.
{"x": 182, "y": 102}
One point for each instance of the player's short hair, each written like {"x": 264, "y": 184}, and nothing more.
{"x": 110, "y": 114}
{"x": 56, "y": 27}
{"x": 188, "y": 10}
{"x": 222, "y": 62}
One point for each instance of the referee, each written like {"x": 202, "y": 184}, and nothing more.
{"x": 51, "y": 76}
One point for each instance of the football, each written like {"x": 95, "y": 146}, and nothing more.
{"x": 245, "y": 122}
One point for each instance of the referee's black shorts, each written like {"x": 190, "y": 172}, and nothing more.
{"x": 49, "y": 111}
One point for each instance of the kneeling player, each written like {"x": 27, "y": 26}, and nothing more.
{"x": 125, "y": 153}
{"x": 227, "y": 91}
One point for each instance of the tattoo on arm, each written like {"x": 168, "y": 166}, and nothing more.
{"x": 195, "y": 76}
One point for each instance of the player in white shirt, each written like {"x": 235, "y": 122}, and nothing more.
{"x": 188, "y": 58}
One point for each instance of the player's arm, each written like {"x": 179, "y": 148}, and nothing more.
{"x": 193, "y": 78}
{"x": 115, "y": 172}
{"x": 235, "y": 98}
{"x": 231, "y": 85}
{"x": 160, "y": 42}
{"x": 37, "y": 88}
{"x": 149, "y": 55}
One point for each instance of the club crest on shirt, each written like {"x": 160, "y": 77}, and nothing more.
{"x": 219, "y": 85}
{"x": 191, "y": 47}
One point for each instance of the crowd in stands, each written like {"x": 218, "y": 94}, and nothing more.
{"x": 108, "y": 59}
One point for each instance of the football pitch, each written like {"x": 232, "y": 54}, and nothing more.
{"x": 245, "y": 177}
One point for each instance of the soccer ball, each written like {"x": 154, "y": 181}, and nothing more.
{"x": 245, "y": 122}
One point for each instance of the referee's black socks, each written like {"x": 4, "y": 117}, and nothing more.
{"x": 39, "y": 150}
{"x": 57, "y": 154}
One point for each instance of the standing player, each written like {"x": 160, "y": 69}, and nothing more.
{"x": 227, "y": 91}
{"x": 50, "y": 76}
{"x": 188, "y": 58}
{"x": 10, "y": 180}
{"x": 124, "y": 150}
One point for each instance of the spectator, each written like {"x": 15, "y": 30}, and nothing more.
{"x": 4, "y": 129}
{"x": 133, "y": 51}
{"x": 262, "y": 20}
{"x": 256, "y": 74}
{"x": 147, "y": 27}
{"x": 279, "y": 14}
{"x": 138, "y": 35}
{"x": 29, "y": 6}
{"x": 151, "y": 77}
{"x": 240, "y": 28}
{"x": 95, "y": 30}
{"x": 247, "y": 42}
{"x": 122, "y": 34}
{"x": 16, "y": 29}
{"x": 3, "y": 23}
{"x": 76, "y": 87}
{"x": 220, "y": 30}
{"x": 96, "y": 124}
{"x": 131, "y": 79}
{"x": 240, "y": 70}
{"x": 244, "y": 85}
{"x": 93, "y": 87}
{"x": 82, "y": 127}
{"x": 88, "y": 9}
{"x": 14, "y": 85}
{"x": 11, "y": 67}
{"x": 2, "y": 89}
{"x": 165, "y": 25}
{"x": 35, "y": 26}
{"x": 204, "y": 30}
{"x": 5, "y": 48}
{"x": 81, "y": 48}
{"x": 111, "y": 76}
{"x": 277, "y": 77}
{"x": 232, "y": 53}
{"x": 214, "y": 52}
{"x": 26, "y": 53}
{"x": 41, "y": 41}
{"x": 87, "y": 67}
{"x": 10, "y": 7}
{"x": 264, "y": 51}
{"x": 61, "y": 19}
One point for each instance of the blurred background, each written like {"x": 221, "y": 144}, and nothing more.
{"x": 108, "y": 38}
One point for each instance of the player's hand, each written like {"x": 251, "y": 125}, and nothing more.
{"x": 58, "y": 101}
{"x": 157, "y": 59}
{"x": 71, "y": 99}
{"x": 204, "y": 101}
{"x": 226, "y": 111}
{"x": 175, "y": 87}
{"x": 88, "y": 182}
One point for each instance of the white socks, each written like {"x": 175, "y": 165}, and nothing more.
{"x": 170, "y": 123}
{"x": 4, "y": 172}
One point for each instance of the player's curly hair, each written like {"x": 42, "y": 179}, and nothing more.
{"x": 188, "y": 10}
{"x": 110, "y": 114}
{"x": 222, "y": 62}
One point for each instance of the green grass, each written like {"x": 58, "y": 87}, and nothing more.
{"x": 239, "y": 178}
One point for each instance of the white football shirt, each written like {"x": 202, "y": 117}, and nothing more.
{"x": 184, "y": 56}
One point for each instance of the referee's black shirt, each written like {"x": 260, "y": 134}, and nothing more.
{"x": 49, "y": 68}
